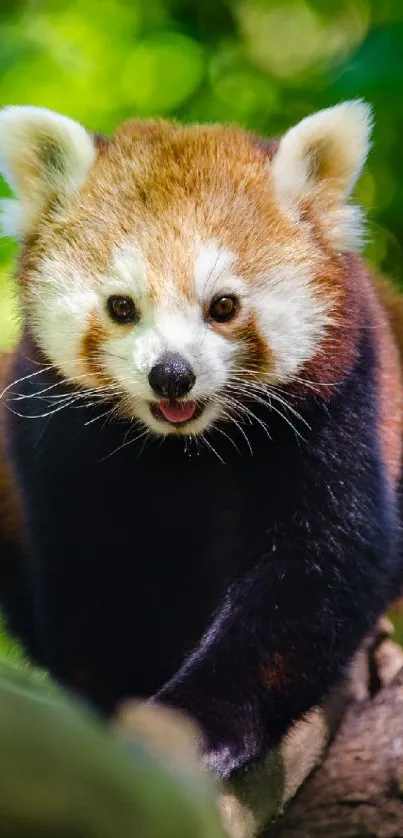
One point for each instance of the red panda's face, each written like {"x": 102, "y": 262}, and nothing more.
{"x": 181, "y": 271}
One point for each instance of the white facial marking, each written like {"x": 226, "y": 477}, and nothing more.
{"x": 283, "y": 302}
{"x": 62, "y": 298}
{"x": 128, "y": 273}
{"x": 292, "y": 318}
{"x": 213, "y": 271}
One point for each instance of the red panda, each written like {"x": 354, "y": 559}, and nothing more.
{"x": 201, "y": 429}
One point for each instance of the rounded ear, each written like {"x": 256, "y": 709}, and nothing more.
{"x": 321, "y": 158}
{"x": 44, "y": 157}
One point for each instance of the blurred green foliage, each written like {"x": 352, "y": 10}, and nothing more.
{"x": 63, "y": 775}
{"x": 261, "y": 63}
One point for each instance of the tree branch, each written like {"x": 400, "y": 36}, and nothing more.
{"x": 358, "y": 790}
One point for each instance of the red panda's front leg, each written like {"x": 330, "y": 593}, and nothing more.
{"x": 285, "y": 633}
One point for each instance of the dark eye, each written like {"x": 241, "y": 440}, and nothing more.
{"x": 122, "y": 309}
{"x": 223, "y": 308}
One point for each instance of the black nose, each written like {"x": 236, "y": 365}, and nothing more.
{"x": 172, "y": 377}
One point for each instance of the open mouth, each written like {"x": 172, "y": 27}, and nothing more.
{"x": 176, "y": 412}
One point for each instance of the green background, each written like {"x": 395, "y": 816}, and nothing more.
{"x": 262, "y": 63}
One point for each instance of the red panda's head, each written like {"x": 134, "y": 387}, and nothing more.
{"x": 187, "y": 268}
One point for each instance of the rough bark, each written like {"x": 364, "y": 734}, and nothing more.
{"x": 357, "y": 792}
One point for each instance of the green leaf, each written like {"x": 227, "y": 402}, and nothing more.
{"x": 62, "y": 774}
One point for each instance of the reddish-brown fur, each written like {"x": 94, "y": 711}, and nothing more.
{"x": 279, "y": 672}
{"x": 91, "y": 349}
{"x": 10, "y": 523}
{"x": 390, "y": 385}
{"x": 257, "y": 352}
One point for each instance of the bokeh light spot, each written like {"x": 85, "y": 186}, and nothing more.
{"x": 162, "y": 71}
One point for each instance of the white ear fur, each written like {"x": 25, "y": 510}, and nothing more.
{"x": 43, "y": 156}
{"x": 321, "y": 159}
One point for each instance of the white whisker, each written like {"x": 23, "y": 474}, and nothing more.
{"x": 227, "y": 436}
{"x": 125, "y": 444}
{"x": 211, "y": 447}
{"x": 231, "y": 418}
{"x": 38, "y": 415}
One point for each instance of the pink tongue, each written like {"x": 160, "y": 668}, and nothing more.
{"x": 177, "y": 411}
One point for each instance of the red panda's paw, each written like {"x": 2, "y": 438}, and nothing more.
{"x": 230, "y": 739}
{"x": 228, "y": 758}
